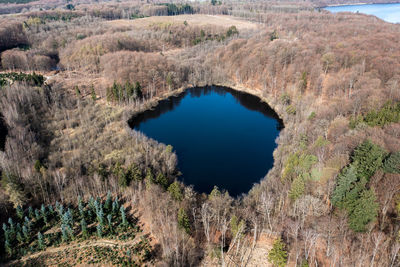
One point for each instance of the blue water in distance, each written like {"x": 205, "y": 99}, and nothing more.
{"x": 221, "y": 137}
{"x": 387, "y": 12}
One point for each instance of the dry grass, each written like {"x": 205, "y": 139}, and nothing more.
{"x": 193, "y": 20}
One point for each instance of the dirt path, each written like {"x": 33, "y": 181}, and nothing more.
{"x": 80, "y": 245}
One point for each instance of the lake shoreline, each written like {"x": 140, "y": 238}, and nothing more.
{"x": 266, "y": 102}
{"x": 358, "y": 4}
{"x": 132, "y": 113}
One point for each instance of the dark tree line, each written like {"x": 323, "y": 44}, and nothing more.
{"x": 124, "y": 93}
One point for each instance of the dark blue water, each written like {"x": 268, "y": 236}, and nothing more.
{"x": 222, "y": 137}
{"x": 387, "y": 12}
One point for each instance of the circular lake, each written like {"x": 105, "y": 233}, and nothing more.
{"x": 221, "y": 136}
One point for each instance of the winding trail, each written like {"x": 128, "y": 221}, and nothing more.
{"x": 79, "y": 245}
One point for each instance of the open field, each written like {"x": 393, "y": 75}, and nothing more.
{"x": 192, "y": 20}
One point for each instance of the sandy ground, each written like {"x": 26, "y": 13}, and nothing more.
{"x": 197, "y": 19}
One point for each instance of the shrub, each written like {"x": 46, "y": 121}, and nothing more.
{"x": 274, "y": 35}
{"x": 298, "y": 163}
{"x": 312, "y": 115}
{"x": 291, "y": 110}
{"x": 232, "y": 31}
{"x": 285, "y": 99}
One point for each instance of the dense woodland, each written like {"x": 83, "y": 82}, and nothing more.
{"x": 71, "y": 78}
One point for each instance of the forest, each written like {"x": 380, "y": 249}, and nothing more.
{"x": 75, "y": 175}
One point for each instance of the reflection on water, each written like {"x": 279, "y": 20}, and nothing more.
{"x": 221, "y": 136}
{"x": 249, "y": 101}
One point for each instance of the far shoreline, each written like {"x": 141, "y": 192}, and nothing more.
{"x": 359, "y": 4}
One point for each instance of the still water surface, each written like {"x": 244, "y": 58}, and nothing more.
{"x": 222, "y": 137}
{"x": 387, "y": 12}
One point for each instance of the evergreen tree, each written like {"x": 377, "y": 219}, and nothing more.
{"x": 67, "y": 219}
{"x": 60, "y": 211}
{"x": 138, "y": 90}
{"x": 43, "y": 213}
{"x": 119, "y": 172}
{"x": 123, "y": 217}
{"x": 51, "y": 210}
{"x": 162, "y": 180}
{"x": 8, "y": 248}
{"x": 345, "y": 182}
{"x": 115, "y": 206}
{"x": 91, "y": 204}
{"x": 232, "y": 31}
{"x": 70, "y": 232}
{"x": 77, "y": 91}
{"x": 85, "y": 233}
{"x": 109, "y": 220}
{"x": 364, "y": 212}
{"x": 114, "y": 91}
{"x": 351, "y": 190}
{"x": 38, "y": 165}
{"x": 30, "y": 212}
{"x": 6, "y": 232}
{"x": 215, "y": 193}
{"x": 100, "y": 217}
{"x": 392, "y": 163}
{"x": 130, "y": 89}
{"x": 64, "y": 233}
{"x": 236, "y": 225}
{"x": 183, "y": 220}
{"x": 80, "y": 207}
{"x": 27, "y": 223}
{"x": 20, "y": 239}
{"x": 20, "y": 212}
{"x": 303, "y": 81}
{"x": 11, "y": 229}
{"x": 99, "y": 229}
{"x": 367, "y": 158}
{"x": 297, "y": 188}
{"x": 40, "y": 241}
{"x": 278, "y": 254}
{"x": 108, "y": 203}
{"x": 274, "y": 35}
{"x": 170, "y": 80}
{"x": 149, "y": 178}
{"x": 37, "y": 215}
{"x": 93, "y": 93}
{"x": 25, "y": 232}
{"x": 175, "y": 190}
{"x": 134, "y": 173}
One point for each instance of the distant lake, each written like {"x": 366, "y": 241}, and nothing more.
{"x": 387, "y": 12}
{"x": 222, "y": 137}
